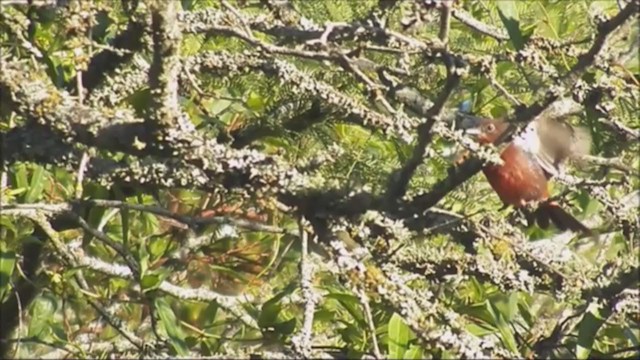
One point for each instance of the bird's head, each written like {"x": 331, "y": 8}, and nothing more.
{"x": 485, "y": 131}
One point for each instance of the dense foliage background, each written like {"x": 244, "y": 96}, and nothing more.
{"x": 215, "y": 179}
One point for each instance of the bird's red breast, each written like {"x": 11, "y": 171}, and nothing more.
{"x": 520, "y": 179}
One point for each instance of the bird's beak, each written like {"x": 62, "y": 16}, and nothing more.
{"x": 472, "y": 131}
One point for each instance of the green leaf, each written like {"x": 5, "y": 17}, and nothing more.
{"x": 271, "y": 309}
{"x": 506, "y": 335}
{"x": 41, "y": 312}
{"x": 143, "y": 259}
{"x": 171, "y": 325}
{"x": 7, "y": 264}
{"x": 150, "y": 282}
{"x": 509, "y": 15}
{"x": 15, "y": 192}
{"x": 507, "y": 305}
{"x": 208, "y": 315}
{"x": 512, "y": 306}
{"x": 53, "y": 69}
{"x": 525, "y": 312}
{"x": 96, "y": 214}
{"x": 285, "y": 328}
{"x": 20, "y": 177}
{"x": 587, "y": 330}
{"x": 6, "y": 226}
{"x": 205, "y": 349}
{"x": 269, "y": 314}
{"x": 36, "y": 185}
{"x": 191, "y": 44}
{"x": 480, "y": 313}
{"x": 414, "y": 353}
{"x": 586, "y": 202}
{"x": 149, "y": 223}
{"x": 255, "y": 102}
{"x": 444, "y": 354}
{"x": 351, "y": 303}
{"x": 191, "y": 341}
{"x": 124, "y": 216}
{"x": 218, "y": 106}
{"x": 629, "y": 334}
{"x": 352, "y": 335}
{"x": 479, "y": 290}
{"x": 140, "y": 101}
{"x": 156, "y": 246}
{"x": 58, "y": 333}
{"x": 324, "y": 315}
{"x": 480, "y": 329}
{"x": 399, "y": 336}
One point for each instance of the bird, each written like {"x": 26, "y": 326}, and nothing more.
{"x": 530, "y": 160}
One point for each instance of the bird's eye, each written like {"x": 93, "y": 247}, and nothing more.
{"x": 490, "y": 128}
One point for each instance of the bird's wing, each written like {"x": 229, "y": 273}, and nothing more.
{"x": 537, "y": 147}
{"x": 552, "y": 141}
{"x": 550, "y": 166}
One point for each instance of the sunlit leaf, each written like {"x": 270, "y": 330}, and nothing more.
{"x": 7, "y": 264}
{"x": 506, "y": 334}
{"x": 171, "y": 325}
{"x": 508, "y": 12}
{"x": 414, "y": 353}
{"x": 399, "y": 336}
{"x": 588, "y": 328}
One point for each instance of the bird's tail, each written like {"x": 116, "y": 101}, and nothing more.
{"x": 551, "y": 211}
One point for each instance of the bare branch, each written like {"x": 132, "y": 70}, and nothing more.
{"x": 165, "y": 67}
{"x": 466, "y": 18}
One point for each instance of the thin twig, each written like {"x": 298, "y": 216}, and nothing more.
{"x": 187, "y": 220}
{"x": 475, "y": 24}
{"x": 80, "y": 174}
{"x": 364, "y": 300}
{"x": 302, "y": 341}
{"x": 615, "y": 163}
{"x": 234, "y": 11}
{"x": 514, "y": 100}
{"x": 445, "y": 21}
